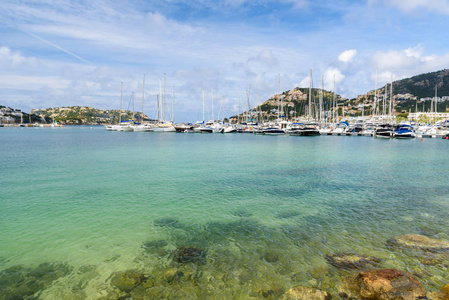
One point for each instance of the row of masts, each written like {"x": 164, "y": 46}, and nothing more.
{"x": 162, "y": 112}
{"x": 314, "y": 111}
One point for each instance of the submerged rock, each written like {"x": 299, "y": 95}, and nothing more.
{"x": 418, "y": 242}
{"x": 173, "y": 275}
{"x": 19, "y": 282}
{"x": 433, "y": 259}
{"x": 305, "y": 293}
{"x": 126, "y": 281}
{"x": 270, "y": 256}
{"x": 167, "y": 222}
{"x": 352, "y": 261}
{"x": 427, "y": 231}
{"x": 443, "y": 294}
{"x": 445, "y": 289}
{"x": 386, "y": 284}
{"x": 154, "y": 245}
{"x": 190, "y": 255}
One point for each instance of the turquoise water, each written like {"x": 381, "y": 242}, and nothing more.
{"x": 265, "y": 210}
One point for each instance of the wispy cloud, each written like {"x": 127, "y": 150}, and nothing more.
{"x": 434, "y": 6}
{"x": 58, "y": 47}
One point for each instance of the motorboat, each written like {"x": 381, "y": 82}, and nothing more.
{"x": 300, "y": 129}
{"x": 356, "y": 130}
{"x": 402, "y": 131}
{"x": 384, "y": 131}
{"x": 229, "y": 129}
{"x": 340, "y": 128}
{"x": 184, "y": 127}
{"x": 272, "y": 131}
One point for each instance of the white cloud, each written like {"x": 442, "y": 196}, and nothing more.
{"x": 406, "y": 63}
{"x": 414, "y": 51}
{"x": 305, "y": 82}
{"x": 435, "y": 6}
{"x": 347, "y": 55}
{"x": 331, "y": 75}
{"x": 403, "y": 59}
{"x": 12, "y": 59}
{"x": 265, "y": 57}
{"x": 32, "y": 82}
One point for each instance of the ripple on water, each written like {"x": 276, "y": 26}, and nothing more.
{"x": 263, "y": 227}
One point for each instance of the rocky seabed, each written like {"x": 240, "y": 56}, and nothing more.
{"x": 191, "y": 272}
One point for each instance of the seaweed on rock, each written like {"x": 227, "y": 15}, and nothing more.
{"x": 190, "y": 255}
{"x": 167, "y": 222}
{"x": 19, "y": 282}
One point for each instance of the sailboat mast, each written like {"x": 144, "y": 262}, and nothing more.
{"x": 143, "y": 95}
{"x": 310, "y": 97}
{"x": 133, "y": 104}
{"x": 375, "y": 97}
{"x": 173, "y": 106}
{"x": 282, "y": 99}
{"x": 159, "y": 102}
{"x": 363, "y": 109}
{"x": 203, "y": 105}
{"x": 165, "y": 98}
{"x": 384, "y": 109}
{"x": 279, "y": 96}
{"x": 321, "y": 100}
{"x": 238, "y": 104}
{"x": 249, "y": 107}
{"x": 436, "y": 107}
{"x": 212, "y": 110}
{"x": 333, "y": 103}
{"x": 158, "y": 112}
{"x": 120, "y": 113}
{"x": 391, "y": 99}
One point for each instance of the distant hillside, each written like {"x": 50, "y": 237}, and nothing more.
{"x": 423, "y": 85}
{"x": 9, "y": 115}
{"x": 414, "y": 93}
{"x": 294, "y": 103}
{"x": 77, "y": 115}
{"x": 407, "y": 96}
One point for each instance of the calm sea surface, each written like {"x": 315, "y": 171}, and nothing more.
{"x": 264, "y": 211}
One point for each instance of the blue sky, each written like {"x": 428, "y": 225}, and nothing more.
{"x": 63, "y": 53}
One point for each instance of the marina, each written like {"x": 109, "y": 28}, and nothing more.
{"x": 379, "y": 130}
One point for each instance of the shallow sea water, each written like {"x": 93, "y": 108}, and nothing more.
{"x": 264, "y": 210}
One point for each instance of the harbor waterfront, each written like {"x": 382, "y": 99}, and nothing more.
{"x": 90, "y": 214}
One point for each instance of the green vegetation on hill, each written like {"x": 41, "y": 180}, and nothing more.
{"x": 423, "y": 85}
{"x": 74, "y": 115}
{"x": 78, "y": 115}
